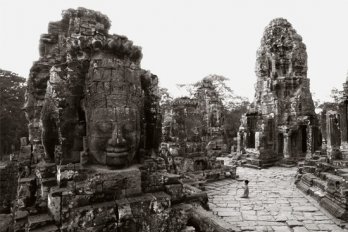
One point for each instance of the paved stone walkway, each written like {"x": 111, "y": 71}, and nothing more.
{"x": 275, "y": 204}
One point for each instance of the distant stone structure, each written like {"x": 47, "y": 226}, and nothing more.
{"x": 194, "y": 133}
{"x": 324, "y": 175}
{"x": 281, "y": 123}
{"x": 92, "y": 163}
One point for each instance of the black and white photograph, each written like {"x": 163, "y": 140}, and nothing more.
{"x": 173, "y": 115}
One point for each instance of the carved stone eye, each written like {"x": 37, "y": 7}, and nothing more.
{"x": 128, "y": 127}
{"x": 105, "y": 126}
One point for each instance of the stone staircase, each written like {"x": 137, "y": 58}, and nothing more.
{"x": 326, "y": 183}
{"x": 252, "y": 159}
{"x": 41, "y": 222}
{"x": 256, "y": 163}
{"x": 32, "y": 214}
{"x": 287, "y": 163}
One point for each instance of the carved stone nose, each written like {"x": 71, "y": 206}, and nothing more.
{"x": 117, "y": 138}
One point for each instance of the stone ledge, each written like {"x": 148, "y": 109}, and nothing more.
{"x": 47, "y": 228}
{"x": 337, "y": 221}
{"x": 335, "y": 209}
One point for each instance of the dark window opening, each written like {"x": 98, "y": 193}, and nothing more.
{"x": 304, "y": 138}
{"x": 280, "y": 143}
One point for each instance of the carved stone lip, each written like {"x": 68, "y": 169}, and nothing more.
{"x": 117, "y": 154}
{"x": 117, "y": 149}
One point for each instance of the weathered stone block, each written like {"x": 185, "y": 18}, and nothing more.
{"x": 174, "y": 190}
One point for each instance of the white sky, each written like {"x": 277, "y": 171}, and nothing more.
{"x": 186, "y": 40}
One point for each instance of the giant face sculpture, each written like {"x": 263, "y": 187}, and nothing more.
{"x": 114, "y": 102}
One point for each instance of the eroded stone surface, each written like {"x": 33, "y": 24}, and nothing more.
{"x": 281, "y": 123}
{"x": 194, "y": 134}
{"x": 324, "y": 175}
{"x": 94, "y": 126}
{"x": 274, "y": 203}
{"x": 87, "y": 92}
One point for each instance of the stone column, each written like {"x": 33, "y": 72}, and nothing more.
{"x": 309, "y": 140}
{"x": 257, "y": 140}
{"x": 328, "y": 130}
{"x": 343, "y": 107}
{"x": 323, "y": 129}
{"x": 239, "y": 134}
{"x": 84, "y": 154}
{"x": 287, "y": 145}
{"x": 245, "y": 134}
{"x": 333, "y": 135}
{"x": 343, "y": 128}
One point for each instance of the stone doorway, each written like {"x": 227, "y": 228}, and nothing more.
{"x": 251, "y": 140}
{"x": 303, "y": 131}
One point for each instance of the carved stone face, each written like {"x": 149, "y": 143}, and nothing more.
{"x": 113, "y": 106}
{"x": 114, "y": 135}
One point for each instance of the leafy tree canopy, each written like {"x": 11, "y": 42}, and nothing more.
{"x": 230, "y": 100}
{"x": 13, "y": 124}
{"x": 235, "y": 106}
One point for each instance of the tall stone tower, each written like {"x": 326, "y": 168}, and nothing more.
{"x": 281, "y": 123}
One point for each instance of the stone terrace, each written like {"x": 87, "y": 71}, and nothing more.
{"x": 274, "y": 204}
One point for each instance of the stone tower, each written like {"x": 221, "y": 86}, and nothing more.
{"x": 88, "y": 91}
{"x": 281, "y": 123}
{"x": 92, "y": 162}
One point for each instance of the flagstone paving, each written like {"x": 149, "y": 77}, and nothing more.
{"x": 274, "y": 203}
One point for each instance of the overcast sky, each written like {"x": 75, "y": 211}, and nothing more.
{"x": 186, "y": 40}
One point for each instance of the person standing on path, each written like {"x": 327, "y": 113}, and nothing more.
{"x": 246, "y": 189}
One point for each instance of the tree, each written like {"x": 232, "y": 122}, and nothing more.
{"x": 233, "y": 117}
{"x": 229, "y": 99}
{"x": 336, "y": 95}
{"x": 13, "y": 124}
{"x": 235, "y": 106}
{"x": 166, "y": 97}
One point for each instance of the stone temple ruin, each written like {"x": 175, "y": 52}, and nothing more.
{"x": 194, "y": 135}
{"x": 102, "y": 155}
{"x": 92, "y": 161}
{"x": 281, "y": 124}
{"x": 324, "y": 174}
